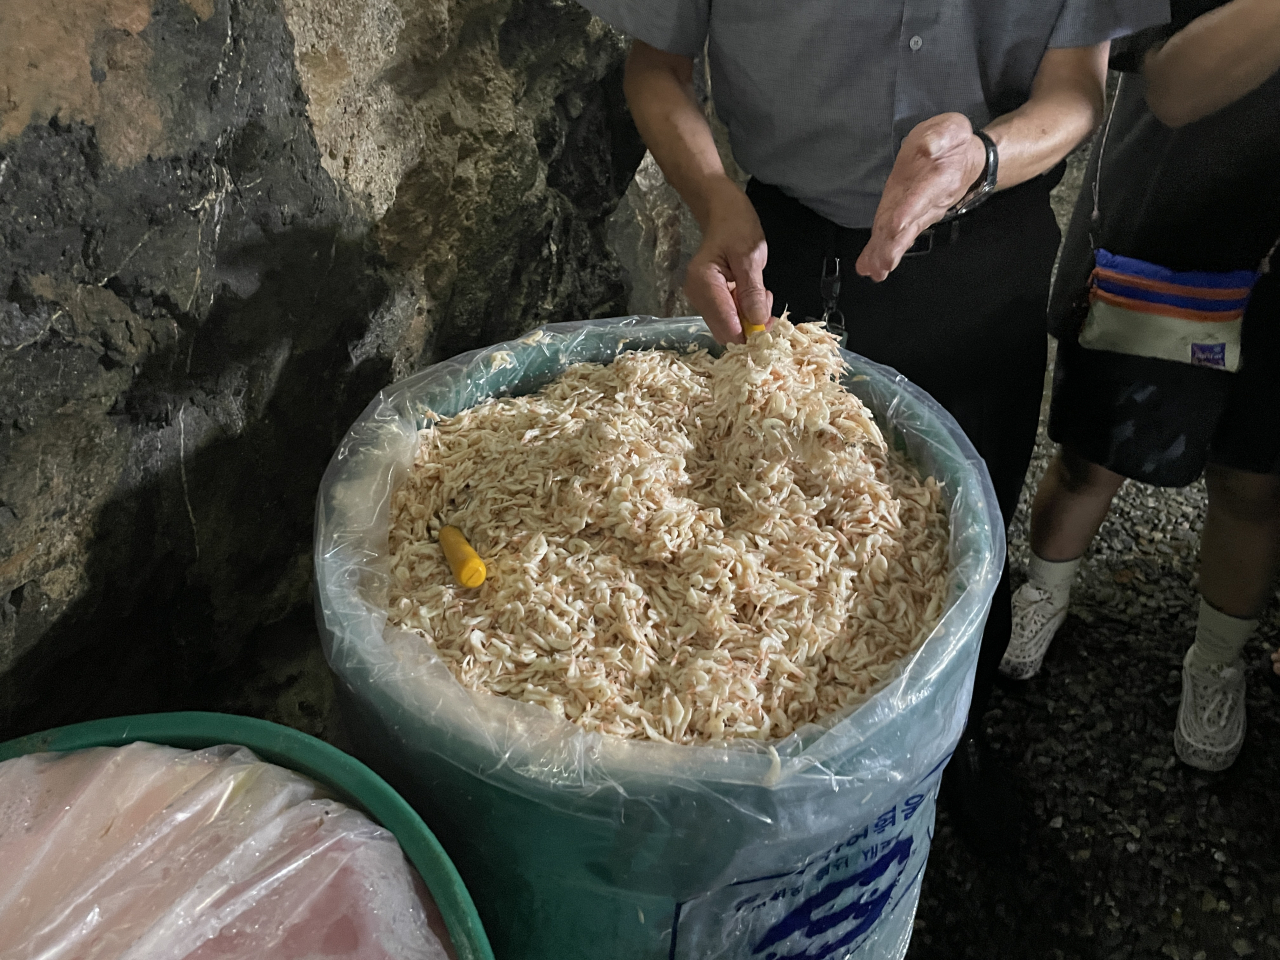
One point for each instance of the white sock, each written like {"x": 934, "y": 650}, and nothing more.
{"x": 1219, "y": 637}
{"x": 1053, "y": 578}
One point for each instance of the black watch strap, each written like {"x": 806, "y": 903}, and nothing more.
{"x": 985, "y": 185}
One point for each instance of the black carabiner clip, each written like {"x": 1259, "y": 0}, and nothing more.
{"x": 832, "y": 316}
{"x": 830, "y": 285}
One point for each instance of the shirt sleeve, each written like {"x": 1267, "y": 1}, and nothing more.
{"x": 675, "y": 26}
{"x": 1085, "y": 23}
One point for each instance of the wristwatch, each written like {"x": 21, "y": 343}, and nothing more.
{"x": 985, "y": 185}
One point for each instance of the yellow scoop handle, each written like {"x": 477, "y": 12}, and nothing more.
{"x": 468, "y": 569}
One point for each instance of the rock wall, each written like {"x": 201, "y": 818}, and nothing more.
{"x": 224, "y": 225}
{"x": 654, "y": 235}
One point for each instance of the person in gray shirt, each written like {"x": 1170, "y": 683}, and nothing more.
{"x": 901, "y": 155}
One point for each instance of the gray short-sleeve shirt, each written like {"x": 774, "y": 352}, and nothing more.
{"x": 819, "y": 94}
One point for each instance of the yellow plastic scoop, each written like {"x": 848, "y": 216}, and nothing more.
{"x": 468, "y": 569}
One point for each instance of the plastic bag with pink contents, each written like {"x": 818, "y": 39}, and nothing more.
{"x": 150, "y": 851}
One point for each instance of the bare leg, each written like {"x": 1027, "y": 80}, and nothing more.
{"x": 1238, "y": 553}
{"x": 1070, "y": 505}
{"x": 1239, "y": 545}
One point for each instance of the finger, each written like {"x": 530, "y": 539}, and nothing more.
{"x": 876, "y": 261}
{"x": 894, "y": 230}
{"x": 868, "y": 267}
{"x": 747, "y": 326}
{"x": 709, "y": 291}
{"x": 749, "y": 292}
{"x": 892, "y": 235}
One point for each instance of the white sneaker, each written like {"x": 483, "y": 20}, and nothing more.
{"x": 1035, "y": 621}
{"x": 1211, "y": 720}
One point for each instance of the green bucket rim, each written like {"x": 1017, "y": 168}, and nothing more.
{"x": 354, "y": 782}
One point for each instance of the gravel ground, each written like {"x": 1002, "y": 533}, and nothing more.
{"x": 1131, "y": 855}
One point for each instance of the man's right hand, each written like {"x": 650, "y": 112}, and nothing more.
{"x": 725, "y": 278}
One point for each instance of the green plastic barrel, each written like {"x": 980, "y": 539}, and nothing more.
{"x": 349, "y": 780}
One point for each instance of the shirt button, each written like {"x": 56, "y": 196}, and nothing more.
{"x": 916, "y": 43}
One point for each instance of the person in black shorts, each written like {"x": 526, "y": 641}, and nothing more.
{"x": 1186, "y": 176}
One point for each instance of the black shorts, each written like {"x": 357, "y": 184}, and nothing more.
{"x": 1159, "y": 421}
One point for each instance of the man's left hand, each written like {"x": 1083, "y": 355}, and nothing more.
{"x": 939, "y": 161}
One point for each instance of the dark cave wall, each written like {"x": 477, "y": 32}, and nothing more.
{"x": 224, "y": 225}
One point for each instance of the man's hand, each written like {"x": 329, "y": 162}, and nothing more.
{"x": 939, "y": 161}
{"x": 941, "y": 158}
{"x": 725, "y": 280}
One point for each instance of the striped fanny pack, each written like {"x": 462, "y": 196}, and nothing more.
{"x": 1146, "y": 310}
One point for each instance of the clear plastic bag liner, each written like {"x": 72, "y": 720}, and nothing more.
{"x": 577, "y": 844}
{"x": 146, "y": 851}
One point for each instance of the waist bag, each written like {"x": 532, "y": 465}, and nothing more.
{"x": 1146, "y": 310}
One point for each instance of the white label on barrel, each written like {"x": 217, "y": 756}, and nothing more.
{"x": 828, "y": 909}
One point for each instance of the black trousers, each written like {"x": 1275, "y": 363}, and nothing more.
{"x": 965, "y": 321}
